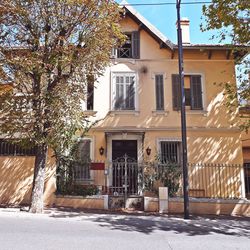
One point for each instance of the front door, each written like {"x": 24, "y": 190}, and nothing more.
{"x": 125, "y": 167}
{"x": 120, "y": 148}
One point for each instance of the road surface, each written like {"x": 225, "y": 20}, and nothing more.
{"x": 65, "y": 229}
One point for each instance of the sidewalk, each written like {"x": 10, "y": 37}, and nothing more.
{"x": 74, "y": 229}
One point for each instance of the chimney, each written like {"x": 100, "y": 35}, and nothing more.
{"x": 185, "y": 30}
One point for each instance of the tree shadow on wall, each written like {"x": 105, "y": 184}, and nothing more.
{"x": 16, "y": 179}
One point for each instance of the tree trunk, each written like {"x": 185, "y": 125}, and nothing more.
{"x": 38, "y": 180}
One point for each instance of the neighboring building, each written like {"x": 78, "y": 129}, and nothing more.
{"x": 137, "y": 105}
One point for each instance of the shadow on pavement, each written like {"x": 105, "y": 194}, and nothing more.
{"x": 148, "y": 223}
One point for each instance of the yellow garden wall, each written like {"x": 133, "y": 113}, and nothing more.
{"x": 16, "y": 180}
{"x": 219, "y": 207}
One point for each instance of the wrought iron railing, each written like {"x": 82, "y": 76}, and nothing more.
{"x": 216, "y": 180}
{"x": 128, "y": 177}
{"x": 205, "y": 180}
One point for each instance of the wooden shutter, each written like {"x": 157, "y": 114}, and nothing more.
{"x": 176, "y": 91}
{"x": 136, "y": 44}
{"x": 196, "y": 92}
{"x": 159, "y": 92}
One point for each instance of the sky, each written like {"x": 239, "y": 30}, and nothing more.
{"x": 164, "y": 18}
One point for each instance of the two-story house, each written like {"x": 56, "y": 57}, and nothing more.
{"x": 138, "y": 99}
{"x": 137, "y": 105}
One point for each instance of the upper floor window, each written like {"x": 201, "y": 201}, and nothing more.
{"x": 159, "y": 92}
{"x": 124, "y": 91}
{"x": 90, "y": 92}
{"x": 131, "y": 47}
{"x": 193, "y": 92}
{"x": 89, "y": 95}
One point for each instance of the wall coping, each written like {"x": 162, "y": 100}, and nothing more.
{"x": 176, "y": 199}
{"x": 213, "y": 200}
{"x": 152, "y": 199}
{"x": 93, "y": 197}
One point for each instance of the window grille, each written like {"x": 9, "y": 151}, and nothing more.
{"x": 170, "y": 151}
{"x": 9, "y": 148}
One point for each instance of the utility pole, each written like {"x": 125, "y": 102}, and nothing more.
{"x": 183, "y": 115}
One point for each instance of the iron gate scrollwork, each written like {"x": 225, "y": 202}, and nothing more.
{"x": 125, "y": 174}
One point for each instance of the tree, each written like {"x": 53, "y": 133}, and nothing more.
{"x": 231, "y": 18}
{"x": 48, "y": 51}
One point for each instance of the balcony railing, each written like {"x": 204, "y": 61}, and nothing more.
{"x": 124, "y": 52}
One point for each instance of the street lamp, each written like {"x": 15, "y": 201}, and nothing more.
{"x": 183, "y": 115}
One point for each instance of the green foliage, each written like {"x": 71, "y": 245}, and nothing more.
{"x": 48, "y": 49}
{"x": 167, "y": 174}
{"x": 81, "y": 190}
{"x": 170, "y": 175}
{"x": 231, "y": 18}
{"x": 66, "y": 165}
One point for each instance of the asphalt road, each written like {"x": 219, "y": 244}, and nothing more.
{"x": 79, "y": 230}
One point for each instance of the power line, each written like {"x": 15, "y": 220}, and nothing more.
{"x": 165, "y": 3}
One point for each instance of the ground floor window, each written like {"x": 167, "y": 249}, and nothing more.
{"x": 169, "y": 151}
{"x": 10, "y": 148}
{"x": 82, "y": 162}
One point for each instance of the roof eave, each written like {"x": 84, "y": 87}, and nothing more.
{"x": 148, "y": 27}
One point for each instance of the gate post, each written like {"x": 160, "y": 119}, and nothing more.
{"x": 126, "y": 180}
{"x": 163, "y": 199}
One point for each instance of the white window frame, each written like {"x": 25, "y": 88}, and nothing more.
{"x": 113, "y": 89}
{"x": 169, "y": 139}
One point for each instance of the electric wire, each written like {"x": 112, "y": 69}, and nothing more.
{"x": 166, "y": 3}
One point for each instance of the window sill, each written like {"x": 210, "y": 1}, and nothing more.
{"x": 124, "y": 112}
{"x": 89, "y": 112}
{"x": 119, "y": 60}
{"x": 160, "y": 112}
{"x": 195, "y": 112}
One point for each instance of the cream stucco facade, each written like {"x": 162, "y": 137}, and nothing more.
{"x": 212, "y": 132}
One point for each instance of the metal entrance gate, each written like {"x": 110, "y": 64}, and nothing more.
{"x": 124, "y": 176}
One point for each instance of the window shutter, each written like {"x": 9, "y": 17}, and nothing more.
{"x": 159, "y": 92}
{"x": 196, "y": 93}
{"x": 176, "y": 90}
{"x": 136, "y": 44}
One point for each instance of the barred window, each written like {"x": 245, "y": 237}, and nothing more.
{"x": 9, "y": 148}
{"x": 170, "y": 151}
